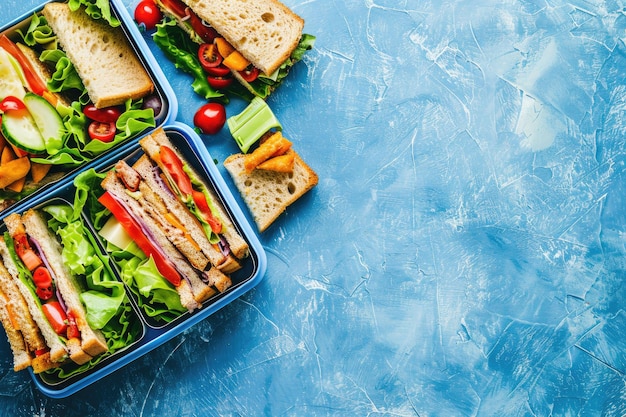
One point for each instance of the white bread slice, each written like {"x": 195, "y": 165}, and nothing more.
{"x": 192, "y": 290}
{"x": 92, "y": 342}
{"x": 21, "y": 357}
{"x": 157, "y": 194}
{"x": 238, "y": 246}
{"x": 102, "y": 56}
{"x": 264, "y": 31}
{"x": 58, "y": 351}
{"x": 268, "y": 193}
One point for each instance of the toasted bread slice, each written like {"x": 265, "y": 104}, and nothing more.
{"x": 264, "y": 31}
{"x": 105, "y": 61}
{"x": 268, "y": 193}
{"x": 92, "y": 342}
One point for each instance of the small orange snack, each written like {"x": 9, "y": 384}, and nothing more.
{"x": 275, "y": 145}
{"x": 281, "y": 163}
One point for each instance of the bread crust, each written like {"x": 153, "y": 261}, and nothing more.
{"x": 105, "y": 61}
{"x": 268, "y": 193}
{"x": 266, "y": 32}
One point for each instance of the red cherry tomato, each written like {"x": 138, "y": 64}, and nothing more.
{"x": 104, "y": 132}
{"x": 43, "y": 282}
{"x": 104, "y": 115}
{"x": 56, "y": 316}
{"x": 148, "y": 14}
{"x": 210, "y": 118}
{"x": 249, "y": 74}
{"x": 219, "y": 71}
{"x": 219, "y": 83}
{"x": 11, "y": 104}
{"x": 209, "y": 56}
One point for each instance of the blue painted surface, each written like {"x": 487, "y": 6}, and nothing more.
{"x": 463, "y": 253}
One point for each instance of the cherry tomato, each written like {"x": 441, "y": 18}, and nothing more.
{"x": 43, "y": 282}
{"x": 219, "y": 83}
{"x": 104, "y": 115}
{"x": 249, "y": 74}
{"x": 56, "y": 316}
{"x": 12, "y": 104}
{"x": 148, "y": 14}
{"x": 209, "y": 56}
{"x": 104, "y": 132}
{"x": 205, "y": 31}
{"x": 210, "y": 118}
{"x": 219, "y": 71}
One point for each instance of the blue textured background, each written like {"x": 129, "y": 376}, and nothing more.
{"x": 463, "y": 253}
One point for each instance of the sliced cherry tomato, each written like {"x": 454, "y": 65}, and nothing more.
{"x": 35, "y": 83}
{"x": 43, "y": 282}
{"x": 175, "y": 6}
{"x": 72, "y": 327}
{"x": 219, "y": 83}
{"x": 203, "y": 206}
{"x": 250, "y": 74}
{"x": 219, "y": 71}
{"x": 56, "y": 316}
{"x": 148, "y": 14}
{"x": 129, "y": 224}
{"x": 12, "y": 104}
{"x": 210, "y": 118}
{"x": 204, "y": 30}
{"x": 103, "y": 115}
{"x": 104, "y": 132}
{"x": 209, "y": 56}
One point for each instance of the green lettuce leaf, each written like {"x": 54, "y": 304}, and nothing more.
{"x": 97, "y": 9}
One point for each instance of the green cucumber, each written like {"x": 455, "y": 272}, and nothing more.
{"x": 47, "y": 120}
{"x": 19, "y": 128}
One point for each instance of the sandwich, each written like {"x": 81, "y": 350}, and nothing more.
{"x": 176, "y": 219}
{"x": 55, "y": 312}
{"x": 61, "y": 107}
{"x": 255, "y": 42}
{"x": 270, "y": 178}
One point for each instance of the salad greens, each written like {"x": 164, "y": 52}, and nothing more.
{"x": 155, "y": 295}
{"x": 180, "y": 49}
{"x": 97, "y": 9}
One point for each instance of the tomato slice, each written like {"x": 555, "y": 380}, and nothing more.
{"x": 12, "y": 103}
{"x": 219, "y": 71}
{"x": 206, "y": 32}
{"x": 176, "y": 7}
{"x": 104, "y": 132}
{"x": 72, "y": 327}
{"x": 209, "y": 56}
{"x": 203, "y": 206}
{"x": 133, "y": 229}
{"x": 104, "y": 115}
{"x": 43, "y": 282}
{"x": 56, "y": 317}
{"x": 250, "y": 74}
{"x": 219, "y": 83}
{"x": 36, "y": 84}
{"x": 174, "y": 166}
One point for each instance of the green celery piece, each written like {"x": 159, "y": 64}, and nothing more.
{"x": 253, "y": 122}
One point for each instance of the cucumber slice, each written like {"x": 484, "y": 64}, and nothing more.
{"x": 19, "y": 128}
{"x": 47, "y": 120}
